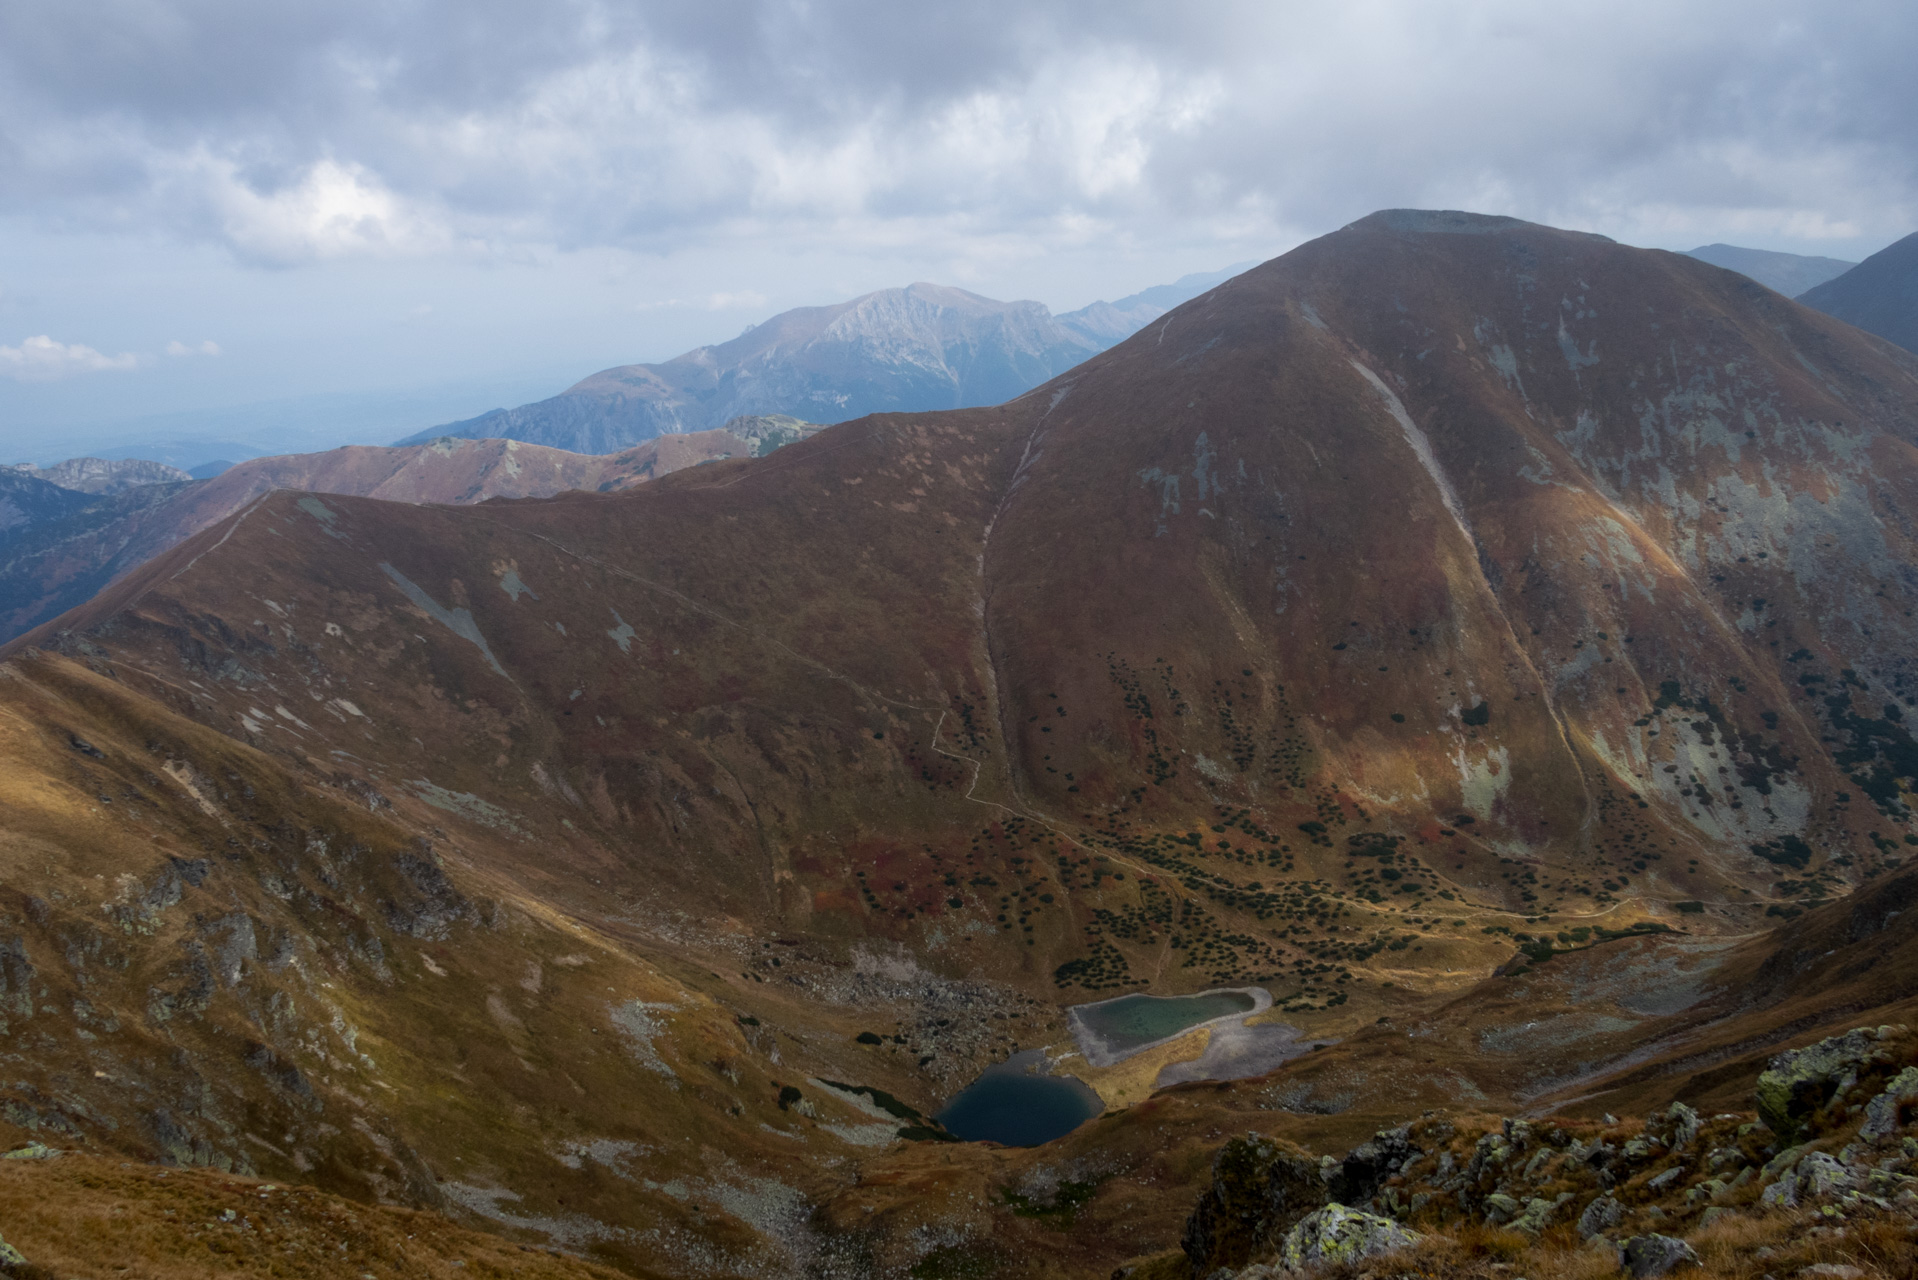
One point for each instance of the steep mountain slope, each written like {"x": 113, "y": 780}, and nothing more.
{"x": 1879, "y": 295}
{"x": 62, "y": 562}
{"x": 1448, "y": 585}
{"x": 922, "y": 347}
{"x": 1789, "y": 273}
{"x": 27, "y": 500}
{"x": 103, "y": 476}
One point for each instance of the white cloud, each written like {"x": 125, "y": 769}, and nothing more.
{"x": 328, "y": 210}
{"x": 744, "y": 300}
{"x": 207, "y": 348}
{"x": 42, "y": 359}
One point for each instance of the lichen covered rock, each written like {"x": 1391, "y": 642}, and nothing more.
{"x": 1648, "y": 1257}
{"x": 1795, "y": 1084}
{"x": 1893, "y": 1109}
{"x": 1600, "y": 1215}
{"x": 1337, "y": 1234}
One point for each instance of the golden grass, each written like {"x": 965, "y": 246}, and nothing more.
{"x": 85, "y": 1218}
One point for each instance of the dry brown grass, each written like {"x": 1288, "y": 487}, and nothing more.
{"x": 1882, "y": 1247}
{"x": 85, "y": 1218}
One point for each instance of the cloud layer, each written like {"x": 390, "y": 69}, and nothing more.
{"x": 42, "y": 359}
{"x": 305, "y": 131}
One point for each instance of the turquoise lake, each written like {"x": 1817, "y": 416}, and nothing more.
{"x": 1133, "y": 1022}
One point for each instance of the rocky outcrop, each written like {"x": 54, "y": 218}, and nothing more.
{"x": 1799, "y": 1083}
{"x": 1637, "y": 1187}
{"x": 1260, "y": 1189}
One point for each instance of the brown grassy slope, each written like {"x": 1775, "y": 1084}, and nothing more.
{"x": 213, "y": 960}
{"x": 833, "y": 596}
{"x": 1132, "y": 648}
{"x": 85, "y": 1218}
{"x": 451, "y": 471}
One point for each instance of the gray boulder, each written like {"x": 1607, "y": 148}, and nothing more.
{"x": 1337, "y": 1234}
{"x": 1648, "y": 1257}
{"x": 1813, "y": 1176}
{"x": 1600, "y": 1215}
{"x": 1500, "y": 1207}
{"x": 1795, "y": 1084}
{"x": 1891, "y": 1110}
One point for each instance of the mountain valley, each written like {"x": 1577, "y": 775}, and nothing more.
{"x": 1491, "y": 643}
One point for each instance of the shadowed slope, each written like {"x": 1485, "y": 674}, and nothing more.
{"x": 1879, "y": 295}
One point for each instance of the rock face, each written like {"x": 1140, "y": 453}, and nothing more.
{"x": 897, "y": 350}
{"x": 1879, "y": 295}
{"x": 1336, "y": 1234}
{"x": 1260, "y": 1190}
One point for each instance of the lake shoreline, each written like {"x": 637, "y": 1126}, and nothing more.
{"x": 1099, "y": 1052}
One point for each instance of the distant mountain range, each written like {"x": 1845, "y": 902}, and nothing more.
{"x": 922, "y": 347}
{"x": 1879, "y": 295}
{"x": 1787, "y": 273}
{"x": 104, "y": 475}
{"x": 60, "y": 544}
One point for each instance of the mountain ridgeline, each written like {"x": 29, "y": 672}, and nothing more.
{"x": 1789, "y": 273}
{"x": 60, "y": 544}
{"x": 1454, "y": 626}
{"x": 897, "y": 350}
{"x": 1879, "y": 295}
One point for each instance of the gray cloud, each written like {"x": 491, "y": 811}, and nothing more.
{"x": 306, "y": 130}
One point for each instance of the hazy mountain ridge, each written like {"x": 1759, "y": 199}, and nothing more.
{"x": 76, "y": 545}
{"x": 1879, "y": 295}
{"x": 99, "y": 476}
{"x": 1789, "y": 273}
{"x": 27, "y": 500}
{"x": 895, "y": 350}
{"x": 1404, "y": 600}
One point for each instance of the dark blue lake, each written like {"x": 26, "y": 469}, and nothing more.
{"x": 1011, "y": 1105}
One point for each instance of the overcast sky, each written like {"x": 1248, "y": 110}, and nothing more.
{"x": 211, "y": 202}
